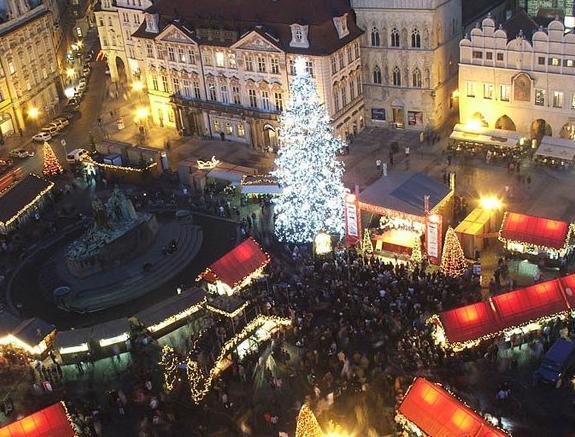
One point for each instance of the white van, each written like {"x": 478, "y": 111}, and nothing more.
{"x": 77, "y": 155}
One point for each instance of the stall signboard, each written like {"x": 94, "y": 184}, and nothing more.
{"x": 352, "y": 223}
{"x": 433, "y": 238}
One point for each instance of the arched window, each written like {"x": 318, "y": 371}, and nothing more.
{"x": 377, "y": 74}
{"x": 396, "y": 76}
{"x": 416, "y": 78}
{"x": 394, "y": 37}
{"x": 415, "y": 39}
{"x": 375, "y": 37}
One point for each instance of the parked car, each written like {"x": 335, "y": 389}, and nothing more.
{"x": 55, "y": 125}
{"x": 71, "y": 109}
{"x": 73, "y": 101}
{"x": 50, "y": 129}
{"x": 5, "y": 165}
{"x": 41, "y": 137}
{"x": 556, "y": 363}
{"x": 77, "y": 155}
{"x": 61, "y": 121}
{"x": 20, "y": 153}
{"x": 86, "y": 71}
{"x": 81, "y": 87}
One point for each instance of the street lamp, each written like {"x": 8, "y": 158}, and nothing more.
{"x": 70, "y": 72}
{"x": 490, "y": 202}
{"x": 137, "y": 86}
{"x": 33, "y": 113}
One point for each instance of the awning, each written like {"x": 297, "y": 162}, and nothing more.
{"x": 534, "y": 230}
{"x": 237, "y": 264}
{"x": 226, "y": 175}
{"x": 437, "y": 413}
{"x": 557, "y": 148}
{"x": 494, "y": 137}
{"x": 49, "y": 422}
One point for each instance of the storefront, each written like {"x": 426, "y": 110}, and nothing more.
{"x": 476, "y": 229}
{"x": 556, "y": 152}
{"x": 491, "y": 143}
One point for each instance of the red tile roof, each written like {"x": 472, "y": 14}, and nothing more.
{"x": 49, "y": 422}
{"x": 534, "y": 230}
{"x": 439, "y": 414}
{"x": 237, "y": 264}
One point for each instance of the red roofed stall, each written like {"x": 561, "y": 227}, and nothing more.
{"x": 532, "y": 235}
{"x": 233, "y": 270}
{"x": 49, "y": 422}
{"x": 429, "y": 408}
{"x": 466, "y": 326}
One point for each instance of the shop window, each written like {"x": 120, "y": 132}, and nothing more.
{"x": 378, "y": 114}
{"x": 217, "y": 126}
{"x": 241, "y": 130}
{"x": 414, "y": 118}
{"x": 229, "y": 129}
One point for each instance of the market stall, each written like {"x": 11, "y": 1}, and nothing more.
{"x": 51, "y": 421}
{"x": 474, "y": 230}
{"x": 536, "y": 237}
{"x": 259, "y": 185}
{"x": 397, "y": 210}
{"x": 477, "y": 139}
{"x": 34, "y": 335}
{"x": 429, "y": 409}
{"x": 556, "y": 152}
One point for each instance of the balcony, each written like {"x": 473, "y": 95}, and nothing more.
{"x": 213, "y": 105}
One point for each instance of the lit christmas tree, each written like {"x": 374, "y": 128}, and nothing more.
{"x": 307, "y": 169}
{"x": 366, "y": 244}
{"x": 453, "y": 262}
{"x": 169, "y": 363}
{"x": 51, "y": 165}
{"x": 307, "y": 425}
{"x": 416, "y": 251}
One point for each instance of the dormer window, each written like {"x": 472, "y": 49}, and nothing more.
{"x": 152, "y": 23}
{"x": 341, "y": 26}
{"x": 299, "y": 36}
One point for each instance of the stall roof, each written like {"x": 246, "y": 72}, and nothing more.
{"x": 534, "y": 230}
{"x": 49, "y": 422}
{"x": 111, "y": 329}
{"x": 230, "y": 172}
{"x": 469, "y": 322}
{"x": 404, "y": 192}
{"x": 558, "y": 148}
{"x": 495, "y": 137}
{"x": 439, "y": 414}
{"x": 568, "y": 286}
{"x": 31, "y": 331}
{"x": 226, "y": 304}
{"x": 171, "y": 306}
{"x": 73, "y": 337}
{"x": 237, "y": 264}
{"x": 20, "y": 195}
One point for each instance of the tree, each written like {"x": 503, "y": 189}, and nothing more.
{"x": 51, "y": 165}
{"x": 453, "y": 262}
{"x": 366, "y": 244}
{"x": 307, "y": 169}
{"x": 416, "y": 256}
{"x": 307, "y": 425}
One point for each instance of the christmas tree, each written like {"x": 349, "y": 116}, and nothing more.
{"x": 169, "y": 363}
{"x": 453, "y": 262}
{"x": 416, "y": 251}
{"x": 307, "y": 425}
{"x": 51, "y": 165}
{"x": 366, "y": 244}
{"x": 307, "y": 169}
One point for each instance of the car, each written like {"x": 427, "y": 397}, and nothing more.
{"x": 52, "y": 130}
{"x": 73, "y": 101}
{"x": 71, "y": 109}
{"x": 77, "y": 155}
{"x": 20, "y": 153}
{"x": 5, "y": 165}
{"x": 42, "y": 137}
{"x": 82, "y": 82}
{"x": 557, "y": 362}
{"x": 55, "y": 125}
{"x": 62, "y": 122}
{"x": 86, "y": 71}
{"x": 81, "y": 87}
{"x": 107, "y": 71}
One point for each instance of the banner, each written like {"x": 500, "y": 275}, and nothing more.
{"x": 352, "y": 222}
{"x": 433, "y": 238}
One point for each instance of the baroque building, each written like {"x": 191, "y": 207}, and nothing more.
{"x": 30, "y": 84}
{"x": 409, "y": 55}
{"x": 519, "y": 76}
{"x": 220, "y": 69}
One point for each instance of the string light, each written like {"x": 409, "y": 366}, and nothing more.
{"x": 231, "y": 315}
{"x": 176, "y": 317}
{"x": 122, "y": 168}
{"x": 453, "y": 262}
{"x": 258, "y": 180}
{"x": 29, "y": 204}
{"x": 307, "y": 424}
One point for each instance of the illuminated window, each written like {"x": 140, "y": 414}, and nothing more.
{"x": 217, "y": 125}
{"x": 275, "y": 66}
{"x": 557, "y": 99}
{"x": 220, "y": 59}
{"x": 504, "y": 92}
{"x": 232, "y": 60}
{"x": 229, "y": 129}
{"x": 241, "y": 130}
{"x": 573, "y": 101}
{"x": 253, "y": 98}
{"x": 540, "y": 97}
{"x": 555, "y": 62}
{"x": 488, "y": 91}
{"x": 212, "y": 91}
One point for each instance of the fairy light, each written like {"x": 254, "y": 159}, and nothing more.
{"x": 122, "y": 168}
{"x": 231, "y": 315}
{"x": 29, "y": 204}
{"x": 307, "y": 424}
{"x": 176, "y": 317}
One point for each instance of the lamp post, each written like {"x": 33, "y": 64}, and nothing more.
{"x": 33, "y": 114}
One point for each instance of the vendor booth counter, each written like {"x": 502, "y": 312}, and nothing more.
{"x": 479, "y": 140}
{"x": 557, "y": 153}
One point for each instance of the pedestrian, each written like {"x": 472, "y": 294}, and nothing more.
{"x": 390, "y": 159}
{"x": 378, "y": 165}
{"x": 407, "y": 152}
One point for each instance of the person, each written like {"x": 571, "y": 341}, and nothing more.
{"x": 378, "y": 165}
{"x": 407, "y": 151}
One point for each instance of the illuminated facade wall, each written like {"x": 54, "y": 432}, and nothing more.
{"x": 409, "y": 55}
{"x": 511, "y": 84}
{"x": 565, "y": 6}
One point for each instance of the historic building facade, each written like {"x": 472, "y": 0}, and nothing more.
{"x": 30, "y": 84}
{"x": 409, "y": 55}
{"x": 519, "y": 77}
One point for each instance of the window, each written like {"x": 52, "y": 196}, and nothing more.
{"x": 279, "y": 102}
{"x": 489, "y": 56}
{"x": 504, "y": 92}
{"x": 229, "y": 129}
{"x": 220, "y": 59}
{"x": 415, "y": 39}
{"x": 470, "y": 89}
{"x": 212, "y": 92}
{"x": 224, "y": 94}
{"x": 395, "y": 37}
{"x": 176, "y": 84}
{"x": 336, "y": 99}
{"x": 249, "y": 63}
{"x": 377, "y": 74}
{"x": 217, "y": 126}
{"x": 344, "y": 96}
{"x": 541, "y": 60}
{"x": 261, "y": 64}
{"x": 181, "y": 55}
{"x": 568, "y": 62}
{"x": 488, "y": 91}
{"x": 557, "y": 99}
{"x": 476, "y": 54}
{"x": 171, "y": 55}
{"x": 341, "y": 61}
{"x": 500, "y": 56}
{"x": 349, "y": 55}
{"x": 197, "y": 93}
{"x": 232, "y": 60}
{"x": 275, "y": 66}
{"x": 333, "y": 65}
{"x": 352, "y": 89}
{"x": 358, "y": 84}
{"x": 356, "y": 49}
{"x": 11, "y": 67}
{"x": 396, "y": 76}
{"x": 207, "y": 58}
{"x": 241, "y": 130}
{"x": 309, "y": 67}
{"x": 265, "y": 100}
{"x": 165, "y": 87}
{"x": 291, "y": 67}
{"x": 186, "y": 88}
{"x": 416, "y": 78}
{"x": 236, "y": 95}
{"x": 155, "y": 83}
{"x": 573, "y": 101}
{"x": 191, "y": 56}
{"x": 554, "y": 62}
{"x": 375, "y": 37}
{"x": 540, "y": 97}
{"x": 253, "y": 98}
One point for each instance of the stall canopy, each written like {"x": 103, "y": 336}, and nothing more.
{"x": 536, "y": 231}
{"x": 557, "y": 148}
{"x": 439, "y": 414}
{"x": 27, "y": 333}
{"x": 49, "y": 422}
{"x": 403, "y": 192}
{"x": 229, "y": 172}
{"x": 238, "y": 264}
{"x": 492, "y": 137}
{"x": 506, "y": 311}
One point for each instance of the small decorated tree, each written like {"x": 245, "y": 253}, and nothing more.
{"x": 307, "y": 425}
{"x": 51, "y": 165}
{"x": 416, "y": 257}
{"x": 453, "y": 262}
{"x": 366, "y": 244}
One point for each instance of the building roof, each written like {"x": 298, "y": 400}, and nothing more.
{"x": 236, "y": 265}
{"x": 404, "y": 192}
{"x": 439, "y": 414}
{"x": 49, "y": 422}
{"x": 520, "y": 23}
{"x": 272, "y": 17}
{"x": 30, "y": 331}
{"x": 534, "y": 230}
{"x": 170, "y": 307}
{"x": 469, "y": 322}
{"x": 474, "y": 10}
{"x": 16, "y": 199}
